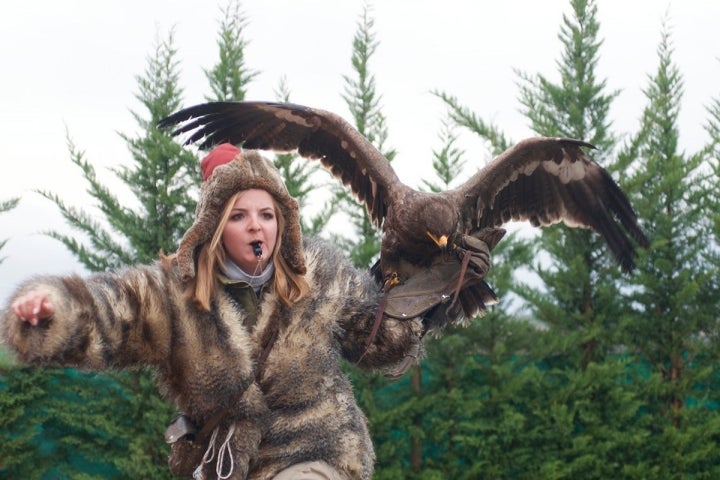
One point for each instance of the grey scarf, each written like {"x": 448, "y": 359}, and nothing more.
{"x": 235, "y": 273}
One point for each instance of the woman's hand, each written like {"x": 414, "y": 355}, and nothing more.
{"x": 33, "y": 307}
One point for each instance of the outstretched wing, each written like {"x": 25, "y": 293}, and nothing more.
{"x": 549, "y": 180}
{"x": 284, "y": 127}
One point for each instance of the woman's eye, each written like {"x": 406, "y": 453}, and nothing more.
{"x": 268, "y": 216}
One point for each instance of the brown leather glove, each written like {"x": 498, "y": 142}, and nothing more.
{"x": 451, "y": 290}
{"x": 452, "y": 287}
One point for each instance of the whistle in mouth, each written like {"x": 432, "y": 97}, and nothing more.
{"x": 257, "y": 249}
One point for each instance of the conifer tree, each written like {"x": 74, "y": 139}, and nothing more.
{"x": 573, "y": 406}
{"x": 20, "y": 390}
{"x": 675, "y": 294}
{"x": 464, "y": 117}
{"x": 577, "y": 107}
{"x": 163, "y": 178}
{"x": 712, "y": 152}
{"x": 130, "y": 417}
{"x": 158, "y": 179}
{"x": 582, "y": 420}
{"x": 59, "y": 423}
{"x": 447, "y": 162}
{"x": 364, "y": 104}
{"x": 230, "y": 77}
{"x": 360, "y": 94}
{"x": 583, "y": 278}
{"x": 229, "y": 80}
{"x": 712, "y": 202}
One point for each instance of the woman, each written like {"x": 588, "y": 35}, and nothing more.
{"x": 246, "y": 325}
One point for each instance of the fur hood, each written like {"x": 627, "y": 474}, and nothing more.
{"x": 227, "y": 170}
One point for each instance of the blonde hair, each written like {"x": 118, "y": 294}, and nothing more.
{"x": 290, "y": 286}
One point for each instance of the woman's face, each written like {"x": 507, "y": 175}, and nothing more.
{"x": 252, "y": 219}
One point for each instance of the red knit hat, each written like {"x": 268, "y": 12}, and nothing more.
{"x": 219, "y": 155}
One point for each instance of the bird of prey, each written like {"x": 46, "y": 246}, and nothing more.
{"x": 540, "y": 180}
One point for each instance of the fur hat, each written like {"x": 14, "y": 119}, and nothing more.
{"x": 226, "y": 171}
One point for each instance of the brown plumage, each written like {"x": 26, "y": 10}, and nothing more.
{"x": 540, "y": 180}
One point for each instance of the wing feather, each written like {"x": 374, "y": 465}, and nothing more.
{"x": 549, "y": 180}
{"x": 284, "y": 127}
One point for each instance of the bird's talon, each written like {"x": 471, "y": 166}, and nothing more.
{"x": 391, "y": 280}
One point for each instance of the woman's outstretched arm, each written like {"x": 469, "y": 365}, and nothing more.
{"x": 103, "y": 320}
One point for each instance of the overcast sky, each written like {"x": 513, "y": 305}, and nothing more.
{"x": 71, "y": 66}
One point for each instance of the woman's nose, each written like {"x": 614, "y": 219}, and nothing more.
{"x": 253, "y": 223}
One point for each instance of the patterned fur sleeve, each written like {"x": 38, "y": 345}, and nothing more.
{"x": 104, "y": 320}
{"x": 357, "y": 296}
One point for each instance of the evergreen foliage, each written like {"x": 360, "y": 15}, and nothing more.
{"x": 6, "y": 205}
{"x": 115, "y": 433}
{"x": 464, "y": 117}
{"x": 447, "y": 162}
{"x": 711, "y": 208}
{"x": 712, "y": 153}
{"x": 674, "y": 323}
{"x": 580, "y": 298}
{"x": 126, "y": 413}
{"x": 578, "y": 389}
{"x": 158, "y": 178}
{"x": 230, "y": 77}
{"x": 579, "y": 373}
{"x": 365, "y": 109}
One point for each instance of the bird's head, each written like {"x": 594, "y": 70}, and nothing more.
{"x": 441, "y": 222}
{"x": 443, "y": 232}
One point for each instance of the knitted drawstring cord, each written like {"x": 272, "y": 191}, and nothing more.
{"x": 225, "y": 449}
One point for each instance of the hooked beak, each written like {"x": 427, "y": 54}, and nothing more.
{"x": 440, "y": 241}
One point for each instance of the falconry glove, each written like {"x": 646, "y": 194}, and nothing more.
{"x": 449, "y": 290}
{"x": 452, "y": 287}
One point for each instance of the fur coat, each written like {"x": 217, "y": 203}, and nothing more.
{"x": 298, "y": 407}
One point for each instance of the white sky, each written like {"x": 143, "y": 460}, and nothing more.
{"x": 73, "y": 64}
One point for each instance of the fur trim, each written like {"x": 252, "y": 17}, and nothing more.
{"x": 247, "y": 170}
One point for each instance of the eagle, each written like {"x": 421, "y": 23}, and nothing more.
{"x": 540, "y": 180}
